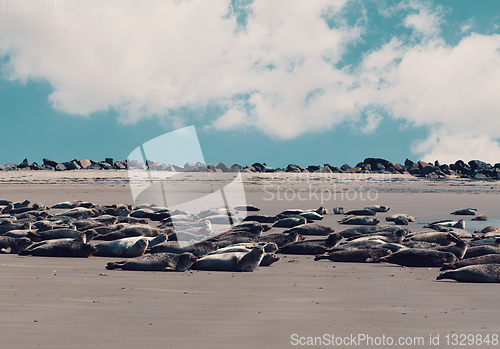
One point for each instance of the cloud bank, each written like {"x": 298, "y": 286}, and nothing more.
{"x": 276, "y": 66}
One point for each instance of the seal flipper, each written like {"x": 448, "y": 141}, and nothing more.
{"x": 115, "y": 265}
{"x": 26, "y": 252}
{"x": 168, "y": 269}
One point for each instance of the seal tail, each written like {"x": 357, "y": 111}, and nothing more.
{"x": 114, "y": 265}
{"x": 24, "y": 252}
{"x": 448, "y": 266}
{"x": 445, "y": 275}
{"x": 321, "y": 256}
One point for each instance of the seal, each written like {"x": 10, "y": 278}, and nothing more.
{"x": 14, "y": 245}
{"x": 79, "y": 212}
{"x": 338, "y": 210}
{"x": 6, "y": 226}
{"x": 297, "y": 211}
{"x": 255, "y": 228}
{"x": 458, "y": 249}
{"x": 311, "y": 216}
{"x": 485, "y": 259}
{"x": 122, "y": 248}
{"x": 281, "y": 239}
{"x": 377, "y": 208}
{"x": 289, "y": 222}
{"x": 481, "y": 217}
{"x": 64, "y": 233}
{"x": 438, "y": 238}
{"x": 234, "y": 237}
{"x": 157, "y": 262}
{"x": 477, "y": 251}
{"x": 400, "y": 216}
{"x": 199, "y": 249}
{"x": 390, "y": 236}
{"x": 31, "y": 234}
{"x": 465, "y": 212}
{"x": 362, "y": 255}
{"x": 493, "y": 241}
{"x": 235, "y": 261}
{"x": 359, "y": 220}
{"x": 247, "y": 208}
{"x": 362, "y": 212}
{"x": 419, "y": 257}
{"x": 269, "y": 247}
{"x": 268, "y": 259}
{"x": 447, "y": 223}
{"x": 311, "y": 247}
{"x": 61, "y": 249}
{"x": 363, "y": 243}
{"x": 133, "y": 230}
{"x": 473, "y": 273}
{"x": 261, "y": 219}
{"x": 311, "y": 229}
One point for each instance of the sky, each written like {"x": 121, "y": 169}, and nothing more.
{"x": 272, "y": 81}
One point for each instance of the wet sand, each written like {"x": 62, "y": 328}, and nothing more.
{"x": 64, "y": 302}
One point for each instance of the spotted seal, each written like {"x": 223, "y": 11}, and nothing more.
{"x": 162, "y": 261}
{"x": 122, "y": 248}
{"x": 233, "y": 261}
{"x": 473, "y": 273}
{"x": 419, "y": 257}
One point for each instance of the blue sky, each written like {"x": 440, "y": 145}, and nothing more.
{"x": 262, "y": 81}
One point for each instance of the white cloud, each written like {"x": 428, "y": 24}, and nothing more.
{"x": 466, "y": 26}
{"x": 278, "y": 74}
{"x": 451, "y": 89}
{"x": 448, "y": 148}
{"x": 424, "y": 22}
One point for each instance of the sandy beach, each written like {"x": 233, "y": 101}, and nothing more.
{"x": 65, "y": 302}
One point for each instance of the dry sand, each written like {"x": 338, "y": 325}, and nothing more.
{"x": 77, "y": 303}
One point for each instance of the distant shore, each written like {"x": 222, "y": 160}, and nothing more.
{"x": 474, "y": 169}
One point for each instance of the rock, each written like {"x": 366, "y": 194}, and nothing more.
{"x": 333, "y": 168}
{"x": 345, "y": 167}
{"x": 223, "y": 167}
{"x": 414, "y": 169}
{"x": 377, "y": 164}
{"x": 236, "y": 168}
{"x": 479, "y": 176}
{"x": 73, "y": 165}
{"x": 313, "y": 168}
{"x": 110, "y": 161}
{"x": 24, "y": 164}
{"x": 427, "y": 170}
{"x": 354, "y": 170}
{"x": 60, "y": 167}
{"x": 293, "y": 168}
{"x": 408, "y": 164}
{"x": 258, "y": 167}
{"x": 84, "y": 163}
{"x": 121, "y": 165}
{"x": 131, "y": 164}
{"x": 105, "y": 165}
{"x": 50, "y": 163}
{"x": 423, "y": 164}
{"x": 398, "y": 168}
{"x": 36, "y": 167}
{"x": 461, "y": 167}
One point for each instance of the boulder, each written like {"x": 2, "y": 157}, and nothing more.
{"x": 50, "y": 163}
{"x": 24, "y": 164}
